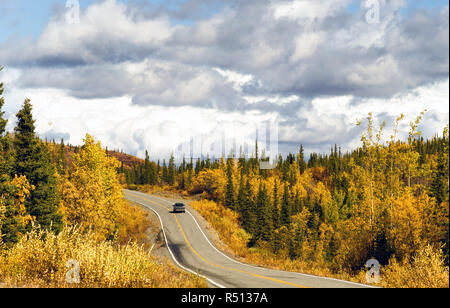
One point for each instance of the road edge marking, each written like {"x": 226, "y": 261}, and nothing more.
{"x": 234, "y": 269}
{"x": 213, "y": 264}
{"x": 263, "y": 268}
{"x": 173, "y": 256}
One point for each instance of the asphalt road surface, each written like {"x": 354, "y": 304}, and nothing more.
{"x": 191, "y": 250}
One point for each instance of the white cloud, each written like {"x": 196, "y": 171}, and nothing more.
{"x": 307, "y": 9}
{"x": 306, "y": 45}
{"x": 137, "y": 81}
{"x": 239, "y": 80}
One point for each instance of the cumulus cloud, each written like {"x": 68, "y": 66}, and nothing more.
{"x": 312, "y": 63}
{"x": 301, "y": 47}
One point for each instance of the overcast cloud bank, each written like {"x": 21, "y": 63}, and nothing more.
{"x": 136, "y": 79}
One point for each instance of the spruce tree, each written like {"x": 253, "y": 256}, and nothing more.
{"x": 190, "y": 175}
{"x": 240, "y": 202}
{"x": 439, "y": 186}
{"x": 296, "y": 243}
{"x": 61, "y": 159}
{"x": 148, "y": 176}
{"x": 275, "y": 209}
{"x": 229, "y": 195}
{"x": 32, "y": 159}
{"x": 301, "y": 160}
{"x": 285, "y": 216}
{"x": 164, "y": 171}
{"x": 182, "y": 182}
{"x": 264, "y": 215}
{"x": 197, "y": 166}
{"x": 248, "y": 215}
{"x": 171, "y": 171}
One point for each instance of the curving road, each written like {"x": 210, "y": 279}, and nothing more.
{"x": 191, "y": 250}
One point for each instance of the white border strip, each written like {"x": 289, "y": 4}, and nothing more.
{"x": 170, "y": 251}
{"x": 258, "y": 267}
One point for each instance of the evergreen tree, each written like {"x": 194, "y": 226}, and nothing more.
{"x": 183, "y": 165}
{"x": 61, "y": 159}
{"x": 229, "y": 195}
{"x": 190, "y": 175}
{"x": 275, "y": 209}
{"x": 240, "y": 201}
{"x": 171, "y": 171}
{"x": 208, "y": 162}
{"x": 164, "y": 172}
{"x": 439, "y": 186}
{"x": 32, "y": 159}
{"x": 248, "y": 215}
{"x": 158, "y": 172}
{"x": 285, "y": 216}
{"x": 197, "y": 166}
{"x": 182, "y": 181}
{"x": 301, "y": 160}
{"x": 149, "y": 171}
{"x": 12, "y": 192}
{"x": 296, "y": 244}
{"x": 264, "y": 215}
{"x": 297, "y": 204}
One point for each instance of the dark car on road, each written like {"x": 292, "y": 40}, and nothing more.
{"x": 179, "y": 208}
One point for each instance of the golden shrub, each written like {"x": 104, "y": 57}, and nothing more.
{"x": 40, "y": 258}
{"x": 425, "y": 270}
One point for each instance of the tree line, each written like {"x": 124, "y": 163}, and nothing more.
{"x": 384, "y": 199}
{"x": 49, "y": 186}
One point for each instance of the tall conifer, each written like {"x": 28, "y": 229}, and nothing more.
{"x": 32, "y": 159}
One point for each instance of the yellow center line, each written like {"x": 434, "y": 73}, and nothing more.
{"x": 215, "y": 265}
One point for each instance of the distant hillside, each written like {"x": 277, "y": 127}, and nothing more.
{"x": 128, "y": 161}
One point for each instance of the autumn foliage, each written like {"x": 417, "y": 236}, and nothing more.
{"x": 387, "y": 200}
{"x": 92, "y": 196}
{"x": 39, "y": 260}
{"x": 59, "y": 203}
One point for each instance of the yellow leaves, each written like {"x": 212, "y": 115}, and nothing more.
{"x": 226, "y": 222}
{"x": 39, "y": 260}
{"x": 2, "y": 214}
{"x": 132, "y": 222}
{"x": 22, "y": 191}
{"x": 405, "y": 234}
{"x": 212, "y": 183}
{"x": 413, "y": 133}
{"x": 355, "y": 240}
{"x": 92, "y": 196}
{"x": 426, "y": 270}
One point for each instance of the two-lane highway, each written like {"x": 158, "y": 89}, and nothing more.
{"x": 191, "y": 250}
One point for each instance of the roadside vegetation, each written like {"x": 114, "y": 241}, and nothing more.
{"x": 39, "y": 259}
{"x": 329, "y": 214}
{"x": 326, "y": 215}
{"x": 61, "y": 203}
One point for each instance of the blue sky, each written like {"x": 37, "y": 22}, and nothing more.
{"x": 27, "y": 18}
{"x": 411, "y": 5}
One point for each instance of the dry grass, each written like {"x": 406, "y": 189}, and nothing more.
{"x": 164, "y": 191}
{"x": 39, "y": 260}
